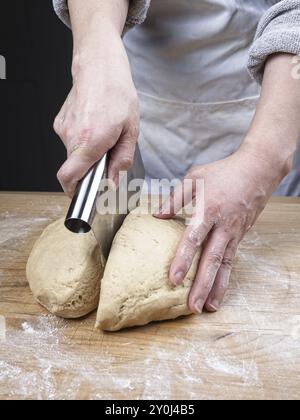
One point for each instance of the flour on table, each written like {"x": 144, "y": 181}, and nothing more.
{"x": 15, "y": 229}
{"x": 60, "y": 368}
{"x": 2, "y": 329}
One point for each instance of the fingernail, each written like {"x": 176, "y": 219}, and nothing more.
{"x": 112, "y": 185}
{"x": 158, "y": 211}
{"x": 215, "y": 304}
{"x": 199, "y": 306}
{"x": 166, "y": 211}
{"x": 178, "y": 277}
{"x": 163, "y": 211}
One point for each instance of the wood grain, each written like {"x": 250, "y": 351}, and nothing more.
{"x": 249, "y": 350}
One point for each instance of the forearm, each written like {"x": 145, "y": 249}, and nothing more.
{"x": 275, "y": 129}
{"x": 93, "y": 18}
{"x": 97, "y": 27}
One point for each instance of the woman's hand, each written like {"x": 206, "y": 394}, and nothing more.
{"x": 236, "y": 190}
{"x": 101, "y": 112}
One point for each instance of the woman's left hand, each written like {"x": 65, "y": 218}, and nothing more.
{"x": 236, "y": 190}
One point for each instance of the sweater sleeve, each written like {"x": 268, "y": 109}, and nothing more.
{"x": 277, "y": 32}
{"x": 136, "y": 14}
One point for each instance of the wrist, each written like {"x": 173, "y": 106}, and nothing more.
{"x": 274, "y": 159}
{"x": 96, "y": 48}
{"x": 97, "y": 26}
{"x": 90, "y": 15}
{"x": 275, "y": 129}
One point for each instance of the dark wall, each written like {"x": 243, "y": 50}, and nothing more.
{"x": 38, "y": 51}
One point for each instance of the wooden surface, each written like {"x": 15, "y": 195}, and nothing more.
{"x": 250, "y": 349}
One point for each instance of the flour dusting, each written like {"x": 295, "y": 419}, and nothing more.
{"x": 246, "y": 371}
{"x": 52, "y": 366}
{"x": 2, "y": 328}
{"x": 15, "y": 229}
{"x": 45, "y": 357}
{"x": 42, "y": 361}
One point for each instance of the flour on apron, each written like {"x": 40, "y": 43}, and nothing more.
{"x": 197, "y": 100}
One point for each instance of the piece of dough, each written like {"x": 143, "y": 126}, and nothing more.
{"x": 64, "y": 271}
{"x": 135, "y": 288}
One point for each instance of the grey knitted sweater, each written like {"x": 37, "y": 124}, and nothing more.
{"x": 278, "y": 30}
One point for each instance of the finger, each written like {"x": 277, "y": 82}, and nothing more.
{"x": 220, "y": 286}
{"x": 76, "y": 166}
{"x": 122, "y": 156}
{"x": 179, "y": 197}
{"x": 210, "y": 263}
{"x": 190, "y": 243}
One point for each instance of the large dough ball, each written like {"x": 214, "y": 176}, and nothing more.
{"x": 135, "y": 289}
{"x": 64, "y": 271}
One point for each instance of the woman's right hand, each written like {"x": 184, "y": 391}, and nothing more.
{"x": 101, "y": 112}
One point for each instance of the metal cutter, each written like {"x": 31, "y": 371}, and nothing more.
{"x": 85, "y": 213}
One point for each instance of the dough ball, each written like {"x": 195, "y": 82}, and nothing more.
{"x": 135, "y": 289}
{"x": 64, "y": 271}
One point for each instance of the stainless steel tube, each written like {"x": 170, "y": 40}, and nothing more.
{"x": 81, "y": 212}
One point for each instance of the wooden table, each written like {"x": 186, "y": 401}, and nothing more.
{"x": 250, "y": 349}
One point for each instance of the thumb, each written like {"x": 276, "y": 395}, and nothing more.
{"x": 179, "y": 197}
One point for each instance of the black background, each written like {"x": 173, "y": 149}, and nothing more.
{"x": 38, "y": 52}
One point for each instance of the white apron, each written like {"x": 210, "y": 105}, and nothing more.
{"x": 196, "y": 97}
